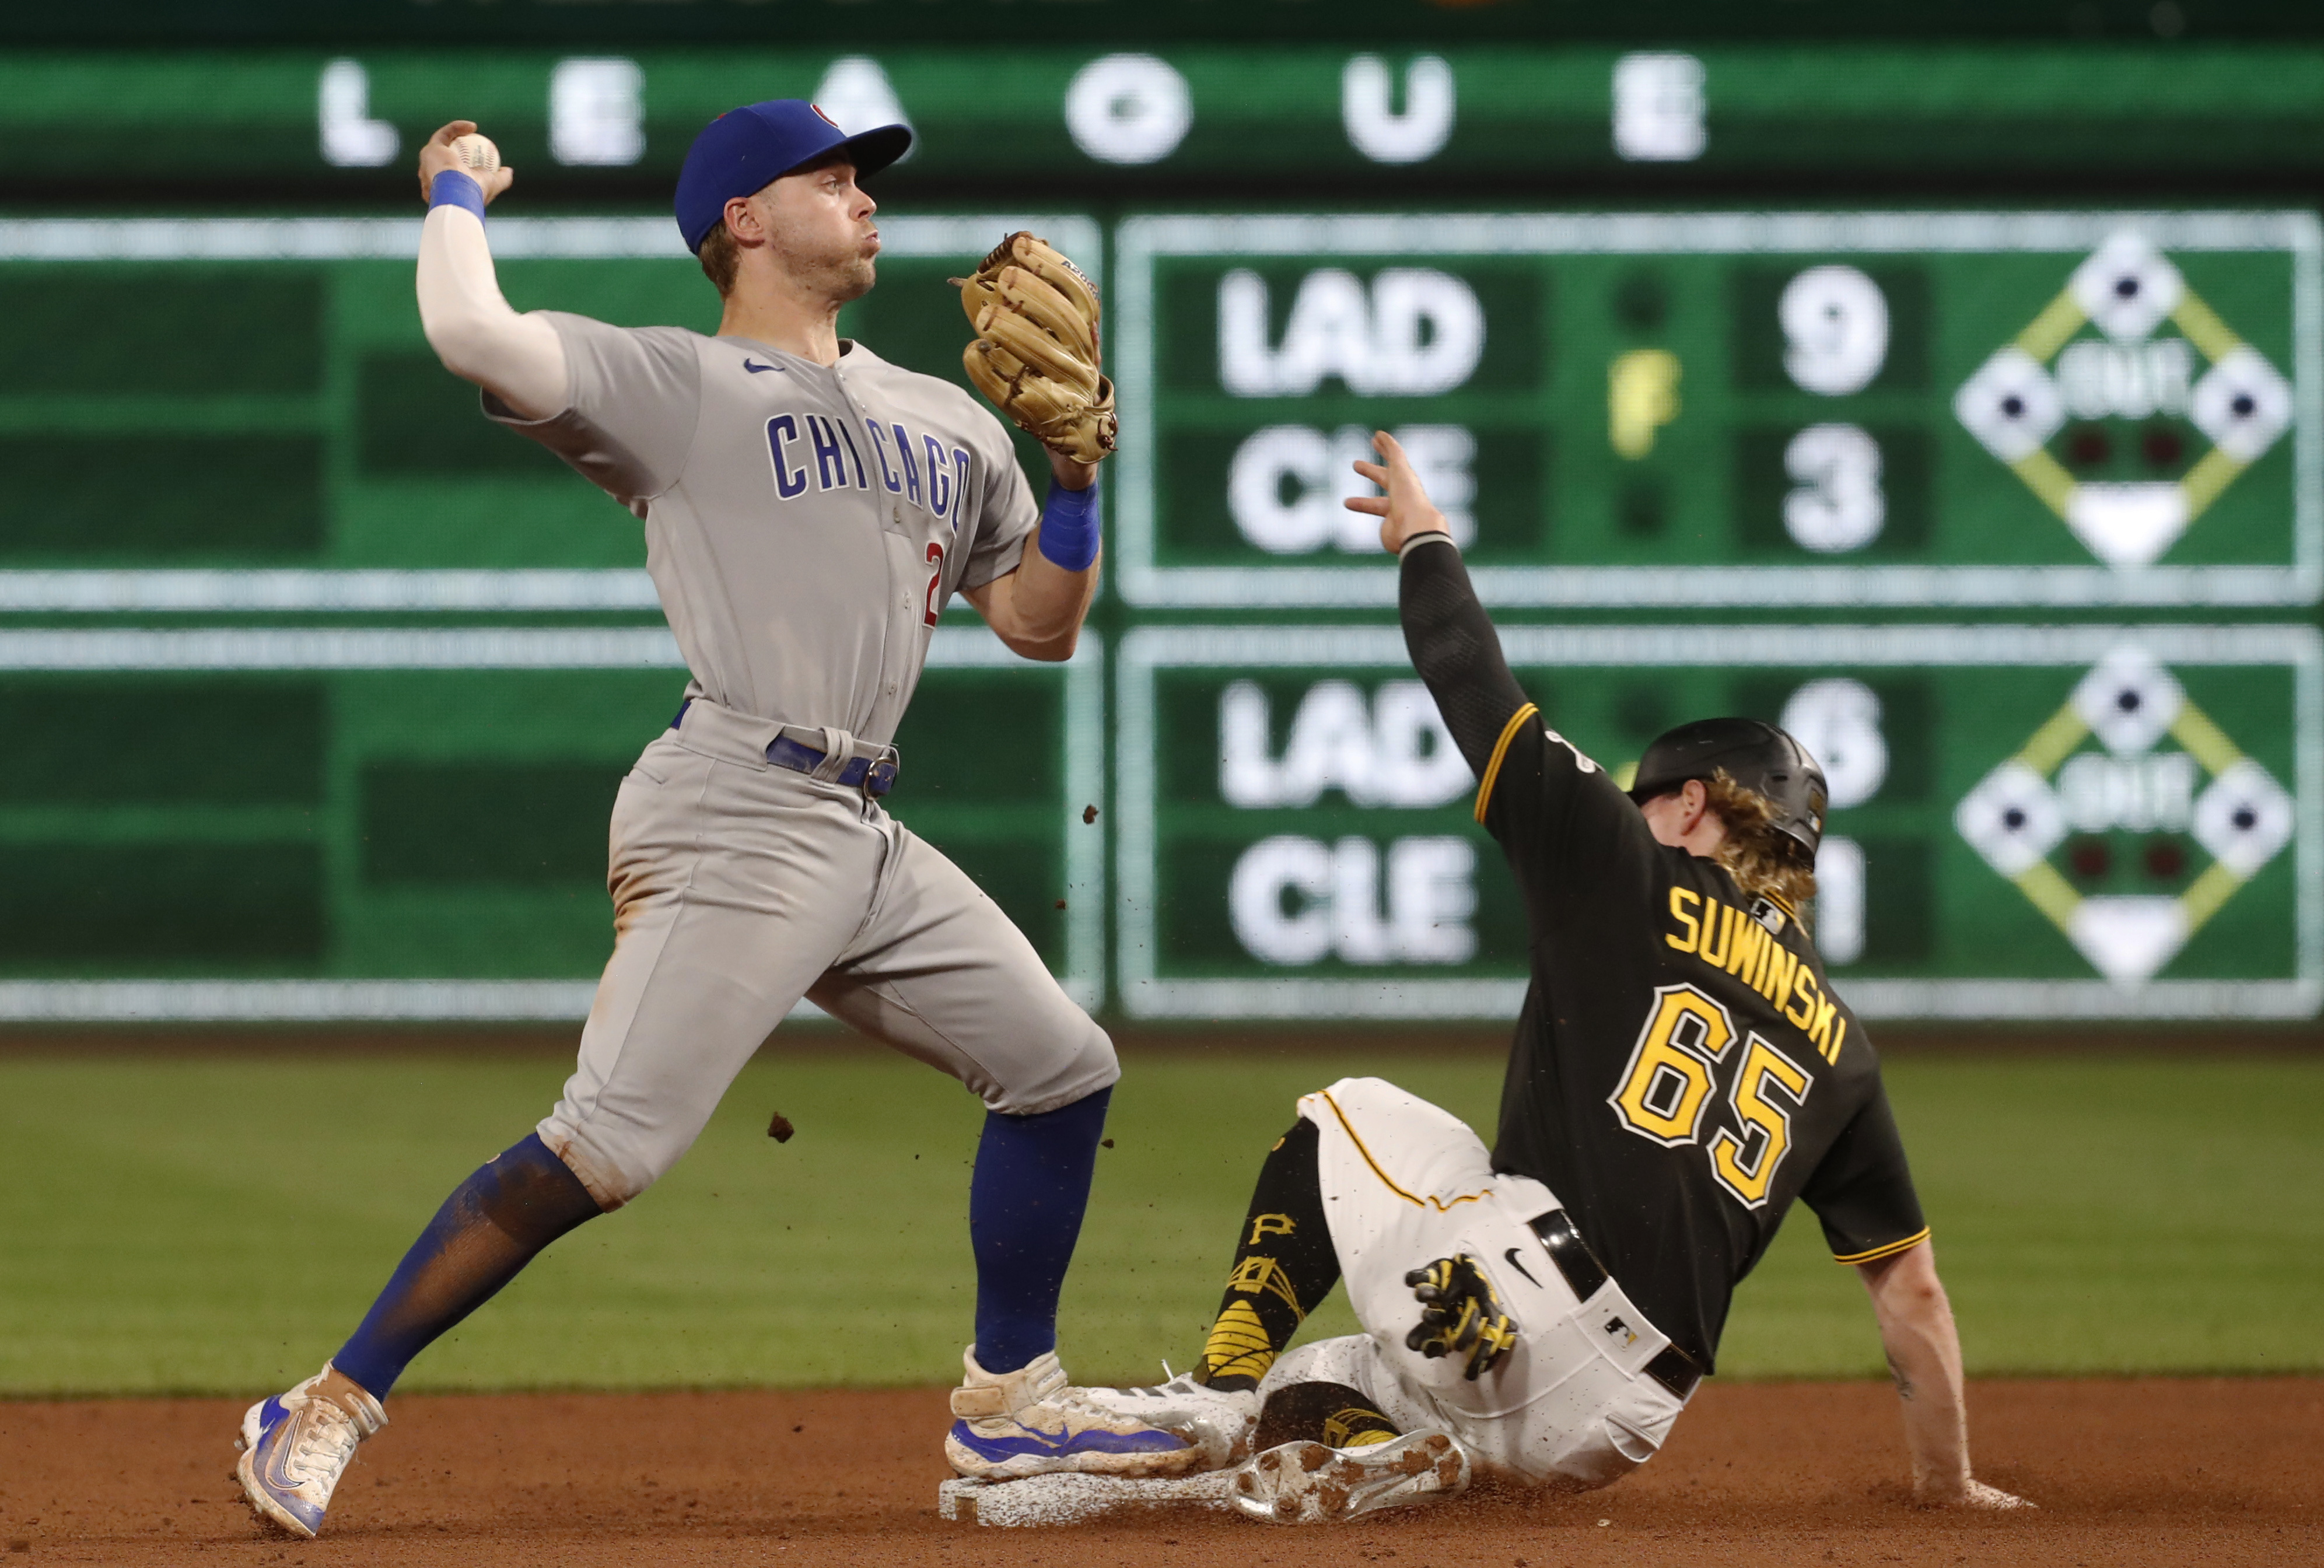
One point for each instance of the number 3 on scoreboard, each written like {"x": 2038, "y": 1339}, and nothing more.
{"x": 1667, "y": 1087}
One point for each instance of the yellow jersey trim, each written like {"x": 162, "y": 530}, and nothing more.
{"x": 1890, "y": 1250}
{"x": 1387, "y": 1181}
{"x": 1500, "y": 750}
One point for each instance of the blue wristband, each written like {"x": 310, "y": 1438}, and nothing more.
{"x": 453, "y": 187}
{"x": 1070, "y": 527}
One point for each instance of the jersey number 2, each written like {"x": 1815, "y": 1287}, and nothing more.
{"x": 1674, "y": 1069}
{"x": 936, "y": 580}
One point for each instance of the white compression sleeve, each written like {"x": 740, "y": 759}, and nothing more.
{"x": 473, "y": 329}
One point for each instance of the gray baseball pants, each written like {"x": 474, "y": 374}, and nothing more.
{"x": 740, "y": 887}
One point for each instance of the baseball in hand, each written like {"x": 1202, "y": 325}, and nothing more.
{"x": 476, "y": 154}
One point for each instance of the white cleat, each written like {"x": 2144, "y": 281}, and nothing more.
{"x": 295, "y": 1446}
{"x": 1216, "y": 1422}
{"x": 1307, "y": 1483}
{"x": 1031, "y": 1422}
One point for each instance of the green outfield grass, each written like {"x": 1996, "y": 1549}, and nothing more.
{"x": 218, "y": 1224}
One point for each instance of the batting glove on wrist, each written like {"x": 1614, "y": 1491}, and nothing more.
{"x": 1459, "y": 1314}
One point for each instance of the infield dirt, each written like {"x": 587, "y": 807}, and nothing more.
{"x": 2163, "y": 1471}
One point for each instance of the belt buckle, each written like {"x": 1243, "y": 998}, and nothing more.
{"x": 880, "y": 776}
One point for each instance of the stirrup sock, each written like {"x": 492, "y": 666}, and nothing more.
{"x": 493, "y": 1225}
{"x": 1284, "y": 1265}
{"x": 1025, "y": 1205}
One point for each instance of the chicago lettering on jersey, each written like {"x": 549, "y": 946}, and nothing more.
{"x": 1734, "y": 941}
{"x": 814, "y": 451}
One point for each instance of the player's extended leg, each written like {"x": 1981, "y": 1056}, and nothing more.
{"x": 941, "y": 974}
{"x": 1331, "y": 1443}
{"x": 296, "y": 1444}
{"x": 706, "y": 960}
{"x": 1329, "y": 1437}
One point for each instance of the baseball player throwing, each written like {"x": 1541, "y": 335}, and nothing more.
{"x": 1682, "y": 1070}
{"x": 808, "y": 510}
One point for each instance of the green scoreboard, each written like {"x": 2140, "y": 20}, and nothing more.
{"x": 315, "y": 687}
{"x": 585, "y": 120}
{"x": 2026, "y": 821}
{"x": 1749, "y": 411}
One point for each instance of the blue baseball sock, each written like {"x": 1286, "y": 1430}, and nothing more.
{"x": 1025, "y": 1207}
{"x": 493, "y": 1225}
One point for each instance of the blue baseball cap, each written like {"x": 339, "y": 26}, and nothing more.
{"x": 743, "y": 150}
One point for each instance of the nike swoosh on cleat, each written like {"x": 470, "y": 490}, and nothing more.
{"x": 758, "y": 369}
{"x": 275, "y": 1466}
{"x": 1002, "y": 1448}
{"x": 1512, "y": 1256}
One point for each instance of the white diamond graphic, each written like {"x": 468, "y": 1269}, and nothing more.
{"x": 2129, "y": 701}
{"x": 2242, "y": 405}
{"x": 2128, "y": 525}
{"x": 2243, "y": 819}
{"x": 2127, "y": 288}
{"x": 2127, "y": 939}
{"x": 2012, "y": 818}
{"x": 2010, "y": 405}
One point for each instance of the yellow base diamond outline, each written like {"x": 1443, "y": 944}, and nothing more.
{"x": 2049, "y": 331}
{"x": 2047, "y": 890}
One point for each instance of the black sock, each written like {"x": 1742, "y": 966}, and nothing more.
{"x": 1332, "y": 1414}
{"x": 1283, "y": 1266}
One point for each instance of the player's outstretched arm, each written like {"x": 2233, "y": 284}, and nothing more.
{"x": 1916, "y": 1330}
{"x": 1450, "y": 639}
{"x": 1037, "y": 610}
{"x": 473, "y": 329}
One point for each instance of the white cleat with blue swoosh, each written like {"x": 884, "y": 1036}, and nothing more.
{"x": 1217, "y": 1422}
{"x": 1032, "y": 1422}
{"x": 295, "y": 1446}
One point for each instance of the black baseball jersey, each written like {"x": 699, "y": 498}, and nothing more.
{"x": 1682, "y": 1069}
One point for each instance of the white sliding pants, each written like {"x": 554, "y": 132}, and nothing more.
{"x": 1405, "y": 1184}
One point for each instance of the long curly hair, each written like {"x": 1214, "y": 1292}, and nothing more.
{"x": 1760, "y": 859}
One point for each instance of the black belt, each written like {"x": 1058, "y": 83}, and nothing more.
{"x": 1673, "y": 1368}
{"x": 875, "y": 776}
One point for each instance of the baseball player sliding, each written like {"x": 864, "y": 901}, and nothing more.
{"x": 808, "y": 510}
{"x": 1682, "y": 1070}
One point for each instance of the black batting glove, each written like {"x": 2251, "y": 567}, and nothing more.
{"x": 1459, "y": 1314}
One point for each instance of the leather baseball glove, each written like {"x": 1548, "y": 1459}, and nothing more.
{"x": 1035, "y": 353}
{"x": 1459, "y": 1314}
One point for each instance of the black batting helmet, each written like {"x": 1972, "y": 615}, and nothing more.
{"x": 1756, "y": 755}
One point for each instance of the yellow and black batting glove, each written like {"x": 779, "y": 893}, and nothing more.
{"x": 1459, "y": 1314}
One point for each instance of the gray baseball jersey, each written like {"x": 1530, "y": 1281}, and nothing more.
{"x": 805, "y": 523}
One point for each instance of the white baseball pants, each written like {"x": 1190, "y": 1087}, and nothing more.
{"x": 1405, "y": 1184}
